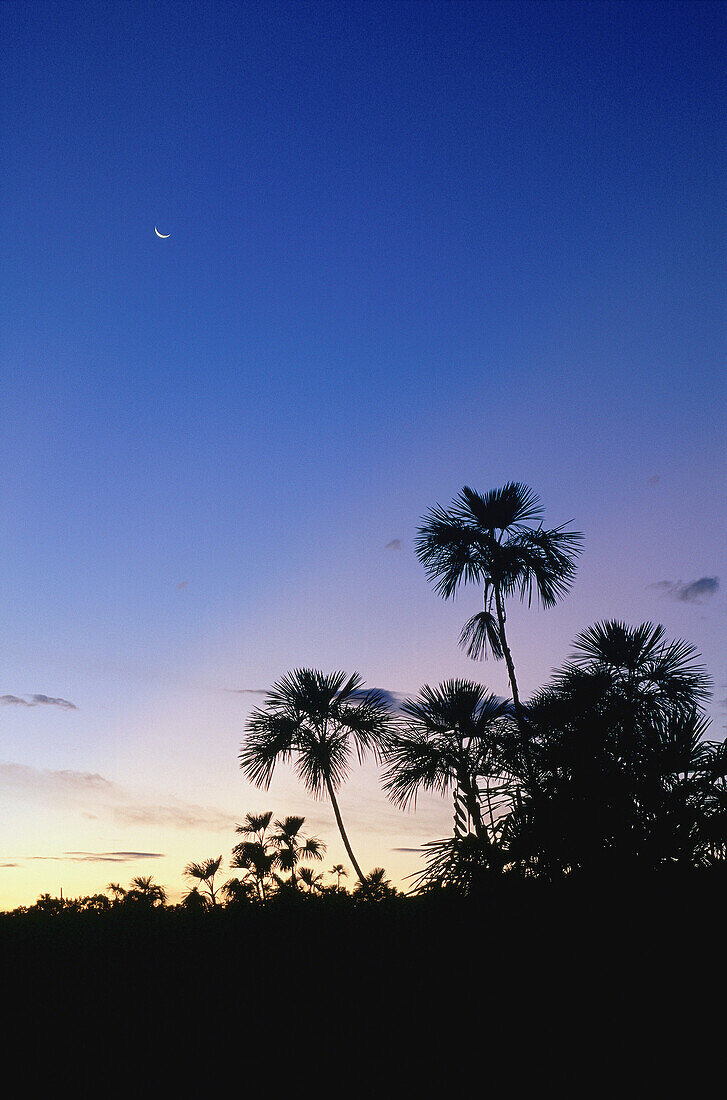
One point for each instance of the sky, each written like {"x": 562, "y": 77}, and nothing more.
{"x": 411, "y": 246}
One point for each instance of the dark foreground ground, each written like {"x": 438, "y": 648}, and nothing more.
{"x": 410, "y": 986}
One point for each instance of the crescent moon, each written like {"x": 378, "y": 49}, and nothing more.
{"x": 162, "y": 235}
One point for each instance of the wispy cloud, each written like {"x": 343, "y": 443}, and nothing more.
{"x": 180, "y": 817}
{"x": 93, "y": 857}
{"x": 36, "y": 701}
{"x": 93, "y": 796}
{"x": 689, "y": 591}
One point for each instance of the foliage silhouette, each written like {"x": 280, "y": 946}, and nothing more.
{"x": 315, "y": 720}
{"x": 490, "y": 540}
{"x": 205, "y": 873}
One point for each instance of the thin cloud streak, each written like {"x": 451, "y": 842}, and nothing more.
{"x": 36, "y": 701}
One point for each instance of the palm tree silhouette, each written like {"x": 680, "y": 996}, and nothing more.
{"x": 253, "y": 854}
{"x": 450, "y": 740}
{"x": 205, "y": 873}
{"x": 146, "y": 892}
{"x": 311, "y": 880}
{"x": 376, "y": 886}
{"x": 340, "y": 872}
{"x": 622, "y": 765}
{"x": 315, "y": 720}
{"x": 291, "y": 846}
{"x": 490, "y": 540}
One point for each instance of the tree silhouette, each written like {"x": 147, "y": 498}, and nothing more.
{"x": 340, "y": 872}
{"x": 291, "y": 846}
{"x": 205, "y": 873}
{"x": 449, "y": 740}
{"x": 253, "y": 855}
{"x": 376, "y": 886}
{"x": 312, "y": 880}
{"x": 622, "y": 765}
{"x": 315, "y": 720}
{"x": 490, "y": 540}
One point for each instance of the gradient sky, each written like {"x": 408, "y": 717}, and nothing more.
{"x": 412, "y": 246}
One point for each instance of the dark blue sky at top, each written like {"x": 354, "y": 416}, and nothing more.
{"x": 411, "y": 245}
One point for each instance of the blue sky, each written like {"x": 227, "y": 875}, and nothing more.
{"x": 412, "y": 246}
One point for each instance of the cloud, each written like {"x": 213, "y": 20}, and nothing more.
{"x": 45, "y": 781}
{"x": 689, "y": 592}
{"x": 180, "y": 817}
{"x": 93, "y": 796}
{"x": 393, "y": 698}
{"x": 108, "y": 857}
{"x": 36, "y": 700}
{"x": 395, "y": 544}
{"x": 87, "y": 857}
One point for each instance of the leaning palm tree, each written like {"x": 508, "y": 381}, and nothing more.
{"x": 291, "y": 846}
{"x": 205, "y": 873}
{"x": 314, "y": 720}
{"x": 490, "y": 540}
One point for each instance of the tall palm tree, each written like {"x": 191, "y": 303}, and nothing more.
{"x": 449, "y": 740}
{"x": 292, "y": 847}
{"x": 315, "y": 720}
{"x": 205, "y": 873}
{"x": 490, "y": 540}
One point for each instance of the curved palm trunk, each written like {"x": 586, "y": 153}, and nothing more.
{"x": 508, "y": 655}
{"x": 344, "y": 838}
{"x": 517, "y": 705}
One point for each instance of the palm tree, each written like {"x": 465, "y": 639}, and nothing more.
{"x": 490, "y": 540}
{"x": 340, "y": 872}
{"x": 449, "y": 741}
{"x": 311, "y": 880}
{"x": 118, "y": 891}
{"x": 292, "y": 847}
{"x": 205, "y": 873}
{"x": 376, "y": 886}
{"x": 146, "y": 891}
{"x": 314, "y": 720}
{"x": 253, "y": 854}
{"x": 617, "y": 740}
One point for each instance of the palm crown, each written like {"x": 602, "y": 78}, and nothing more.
{"x": 496, "y": 540}
{"x": 315, "y": 721}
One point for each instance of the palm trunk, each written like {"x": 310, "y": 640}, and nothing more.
{"x": 344, "y": 838}
{"x": 508, "y": 655}
{"x": 519, "y": 713}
